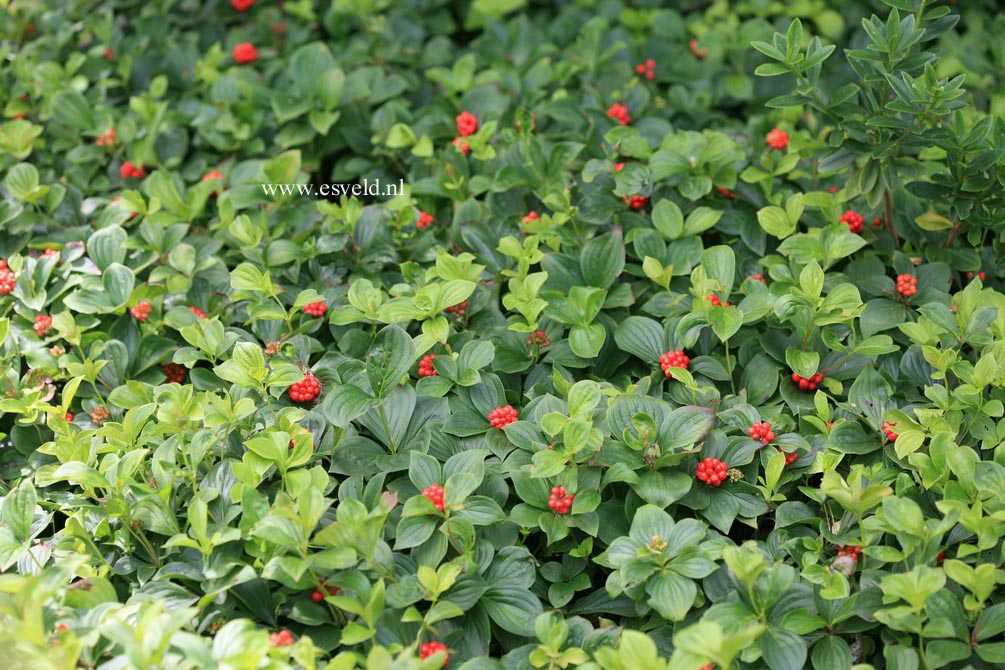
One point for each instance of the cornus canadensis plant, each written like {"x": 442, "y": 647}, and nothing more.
{"x": 615, "y": 376}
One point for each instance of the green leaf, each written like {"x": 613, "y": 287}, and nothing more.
{"x": 668, "y": 219}
{"x": 344, "y": 404}
{"x": 390, "y": 359}
{"x": 671, "y": 595}
{"x": 783, "y": 649}
{"x": 603, "y": 259}
{"x": 774, "y": 221}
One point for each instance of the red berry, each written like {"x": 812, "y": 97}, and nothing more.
{"x": 777, "y": 139}
{"x": 560, "y": 501}
{"x": 241, "y": 5}
{"x": 761, "y": 431}
{"x": 530, "y": 218}
{"x": 317, "y": 596}
{"x": 425, "y": 220}
{"x": 69, "y": 417}
{"x": 887, "y": 430}
{"x": 726, "y": 192}
{"x": 306, "y": 389}
{"x": 674, "y": 359}
{"x": 430, "y": 648}
{"x": 808, "y": 384}
{"x": 940, "y": 558}
{"x": 636, "y": 201}
{"x": 619, "y": 112}
{"x": 467, "y": 124}
{"x": 851, "y": 551}
{"x": 142, "y": 310}
{"x": 459, "y": 310}
{"x": 714, "y": 299}
{"x": 426, "y": 368}
{"x": 198, "y": 312}
{"x": 107, "y": 139}
{"x": 501, "y": 417}
{"x": 538, "y": 339}
{"x": 618, "y": 167}
{"x": 435, "y": 495}
{"x": 854, "y": 220}
{"x": 712, "y": 471}
{"x": 245, "y": 53}
{"x": 462, "y": 145}
{"x": 281, "y": 639}
{"x": 877, "y": 223}
{"x": 8, "y": 280}
{"x": 42, "y": 324}
{"x": 316, "y": 309}
{"x": 130, "y": 171}
{"x": 698, "y": 53}
{"x": 907, "y": 285}
{"x": 175, "y": 373}
{"x": 757, "y": 277}
{"x": 790, "y": 456}
{"x": 99, "y": 415}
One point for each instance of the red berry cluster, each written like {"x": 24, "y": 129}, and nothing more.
{"x": 318, "y": 596}
{"x": 531, "y": 218}
{"x": 69, "y": 417}
{"x": 283, "y": 638}
{"x": 888, "y": 431}
{"x": 538, "y": 339}
{"x": 646, "y": 69}
{"x": 757, "y": 277}
{"x": 467, "y": 123}
{"x": 712, "y": 471}
{"x": 777, "y": 139}
{"x": 907, "y": 285}
{"x": 673, "y": 359}
{"x": 106, "y": 140}
{"x": 707, "y": 666}
{"x": 459, "y": 310}
{"x": 426, "y": 368}
{"x": 726, "y": 192}
{"x": 42, "y": 324}
{"x": 618, "y": 167}
{"x": 129, "y": 171}
{"x": 142, "y": 310}
{"x": 99, "y": 415}
{"x": 501, "y": 417}
{"x": 854, "y": 220}
{"x": 431, "y": 648}
{"x": 245, "y": 53}
{"x": 293, "y": 441}
{"x": 714, "y": 299}
{"x": 49, "y": 253}
{"x": 435, "y": 495}
{"x": 462, "y": 145}
{"x": 7, "y": 278}
{"x": 559, "y": 500}
{"x": 790, "y": 456}
{"x": 198, "y": 312}
{"x": 306, "y": 389}
{"x": 241, "y": 5}
{"x": 425, "y": 220}
{"x": 272, "y": 347}
{"x": 175, "y": 373}
{"x": 761, "y": 431}
{"x": 619, "y": 112}
{"x": 316, "y": 309}
{"x": 983, "y": 275}
{"x": 940, "y": 558}
{"x": 851, "y": 551}
{"x": 808, "y": 384}
{"x": 699, "y": 54}
{"x": 636, "y": 201}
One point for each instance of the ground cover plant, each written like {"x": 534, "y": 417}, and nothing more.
{"x": 681, "y": 347}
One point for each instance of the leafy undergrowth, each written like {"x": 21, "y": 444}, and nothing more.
{"x": 681, "y": 347}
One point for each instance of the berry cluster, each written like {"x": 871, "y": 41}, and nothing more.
{"x": 501, "y": 417}
{"x": 49, "y": 253}
{"x": 907, "y": 285}
{"x": 983, "y": 275}
{"x": 318, "y": 596}
{"x": 851, "y": 551}
{"x": 175, "y": 373}
{"x": 646, "y": 69}
{"x": 459, "y": 310}
{"x": 42, "y": 324}
{"x": 618, "y": 167}
{"x": 757, "y": 277}
{"x": 538, "y": 339}
{"x": 531, "y": 218}
{"x": 761, "y": 431}
{"x": 888, "y": 431}
{"x": 426, "y": 368}
{"x": 69, "y": 417}
{"x": 241, "y": 5}
{"x": 619, "y": 112}
{"x": 939, "y": 558}
{"x": 283, "y": 638}
{"x": 7, "y": 278}
{"x": 712, "y": 471}
{"x": 698, "y": 53}
{"x": 636, "y": 201}
{"x": 559, "y": 500}
{"x": 198, "y": 312}
{"x": 431, "y": 648}
{"x": 808, "y": 384}
{"x": 128, "y": 171}
{"x": 854, "y": 220}
{"x": 726, "y": 192}
{"x": 790, "y": 456}
{"x": 293, "y": 441}
{"x": 99, "y": 415}
{"x": 106, "y": 140}
{"x": 272, "y": 347}
{"x": 425, "y": 220}
{"x": 213, "y": 174}
{"x": 245, "y": 53}
{"x": 467, "y": 123}
{"x": 714, "y": 299}
{"x": 316, "y": 309}
{"x": 462, "y": 145}
{"x": 306, "y": 389}
{"x": 142, "y": 310}
{"x": 435, "y": 495}
{"x": 777, "y": 139}
{"x": 673, "y": 359}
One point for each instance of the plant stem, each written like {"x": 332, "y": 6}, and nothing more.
{"x": 888, "y": 214}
